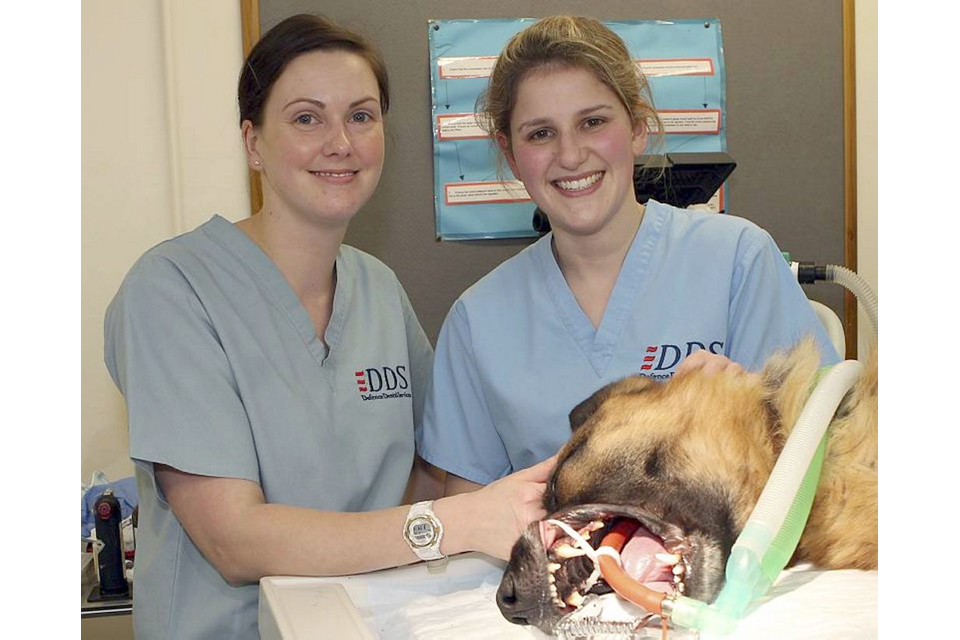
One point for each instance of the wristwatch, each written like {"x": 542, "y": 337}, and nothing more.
{"x": 423, "y": 531}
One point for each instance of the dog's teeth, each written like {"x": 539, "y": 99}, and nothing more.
{"x": 553, "y": 567}
{"x": 677, "y": 545}
{"x": 567, "y": 551}
{"x": 557, "y": 601}
{"x": 668, "y": 558}
{"x": 553, "y": 590}
{"x": 678, "y": 569}
{"x": 677, "y": 579}
{"x": 575, "y": 599}
{"x": 551, "y": 578}
{"x": 680, "y": 587}
{"x": 589, "y": 528}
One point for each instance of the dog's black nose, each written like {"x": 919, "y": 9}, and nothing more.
{"x": 507, "y": 600}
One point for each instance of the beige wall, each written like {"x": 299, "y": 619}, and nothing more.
{"x": 867, "y": 158}
{"x": 161, "y": 153}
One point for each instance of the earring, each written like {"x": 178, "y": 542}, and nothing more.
{"x": 256, "y": 162}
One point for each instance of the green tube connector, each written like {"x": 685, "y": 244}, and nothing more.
{"x": 745, "y": 580}
{"x": 695, "y": 614}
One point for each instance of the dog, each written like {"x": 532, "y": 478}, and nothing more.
{"x": 688, "y": 458}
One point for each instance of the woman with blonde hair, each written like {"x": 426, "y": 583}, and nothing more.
{"x": 616, "y": 288}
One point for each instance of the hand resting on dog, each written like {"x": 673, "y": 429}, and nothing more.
{"x": 709, "y": 363}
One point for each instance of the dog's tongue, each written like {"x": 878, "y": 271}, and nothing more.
{"x": 639, "y": 558}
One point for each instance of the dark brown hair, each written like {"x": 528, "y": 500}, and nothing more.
{"x": 291, "y": 38}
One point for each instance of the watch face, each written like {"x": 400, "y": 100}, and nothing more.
{"x": 421, "y": 531}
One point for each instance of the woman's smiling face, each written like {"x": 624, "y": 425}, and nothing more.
{"x": 573, "y": 145}
{"x": 321, "y": 142}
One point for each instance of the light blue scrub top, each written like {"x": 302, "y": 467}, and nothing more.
{"x": 516, "y": 353}
{"x": 223, "y": 375}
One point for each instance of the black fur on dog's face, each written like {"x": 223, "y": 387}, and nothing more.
{"x": 687, "y": 459}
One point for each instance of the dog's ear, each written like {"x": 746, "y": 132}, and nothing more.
{"x": 582, "y": 412}
{"x": 585, "y": 409}
{"x": 787, "y": 379}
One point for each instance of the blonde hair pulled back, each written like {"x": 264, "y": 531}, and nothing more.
{"x": 566, "y": 41}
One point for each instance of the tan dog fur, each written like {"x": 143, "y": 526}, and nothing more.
{"x": 695, "y": 452}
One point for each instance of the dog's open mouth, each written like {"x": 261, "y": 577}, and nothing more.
{"x": 656, "y": 555}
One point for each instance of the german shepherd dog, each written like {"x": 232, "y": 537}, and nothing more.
{"x": 688, "y": 459}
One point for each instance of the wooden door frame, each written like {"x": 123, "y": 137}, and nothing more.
{"x": 849, "y": 172}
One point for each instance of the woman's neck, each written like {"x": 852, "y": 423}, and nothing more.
{"x": 591, "y": 264}
{"x": 598, "y": 254}
{"x": 304, "y": 253}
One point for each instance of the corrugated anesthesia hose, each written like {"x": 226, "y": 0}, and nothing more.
{"x": 859, "y": 287}
{"x": 810, "y": 273}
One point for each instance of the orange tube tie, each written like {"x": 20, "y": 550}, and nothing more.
{"x": 625, "y": 586}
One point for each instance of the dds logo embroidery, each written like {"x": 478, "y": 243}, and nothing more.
{"x": 380, "y": 383}
{"x": 666, "y": 356}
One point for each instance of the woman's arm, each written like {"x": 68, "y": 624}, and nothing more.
{"x": 425, "y": 483}
{"x": 454, "y": 484}
{"x": 246, "y": 538}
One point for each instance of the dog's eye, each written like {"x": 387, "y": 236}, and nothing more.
{"x": 550, "y": 493}
{"x": 653, "y": 467}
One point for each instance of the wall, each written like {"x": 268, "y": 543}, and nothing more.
{"x": 161, "y": 152}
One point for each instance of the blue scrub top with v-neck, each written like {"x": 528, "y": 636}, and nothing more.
{"x": 516, "y": 352}
{"x": 223, "y": 375}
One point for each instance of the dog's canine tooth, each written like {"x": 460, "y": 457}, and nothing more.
{"x": 590, "y": 527}
{"x": 668, "y": 558}
{"x": 678, "y": 569}
{"x": 567, "y": 551}
{"x": 676, "y": 545}
{"x": 575, "y": 599}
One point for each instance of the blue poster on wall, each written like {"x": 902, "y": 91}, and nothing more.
{"x": 476, "y": 197}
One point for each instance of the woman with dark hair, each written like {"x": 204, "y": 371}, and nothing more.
{"x": 274, "y": 377}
